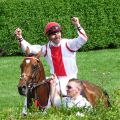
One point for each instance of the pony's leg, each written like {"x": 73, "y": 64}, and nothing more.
{"x": 24, "y": 111}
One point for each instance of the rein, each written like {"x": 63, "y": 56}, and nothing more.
{"x": 35, "y": 85}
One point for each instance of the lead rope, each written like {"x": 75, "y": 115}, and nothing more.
{"x": 24, "y": 110}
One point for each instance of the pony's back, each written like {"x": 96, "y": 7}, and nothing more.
{"x": 95, "y": 94}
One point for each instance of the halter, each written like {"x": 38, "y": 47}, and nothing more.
{"x": 33, "y": 85}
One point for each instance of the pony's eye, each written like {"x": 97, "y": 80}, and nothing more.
{"x": 34, "y": 67}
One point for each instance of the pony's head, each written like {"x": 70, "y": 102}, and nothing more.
{"x": 29, "y": 72}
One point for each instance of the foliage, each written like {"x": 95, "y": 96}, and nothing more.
{"x": 99, "y": 18}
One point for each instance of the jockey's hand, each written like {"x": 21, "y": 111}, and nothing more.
{"x": 75, "y": 21}
{"x": 18, "y": 33}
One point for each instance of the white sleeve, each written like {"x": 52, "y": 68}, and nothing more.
{"x": 77, "y": 43}
{"x": 33, "y": 48}
{"x": 57, "y": 101}
{"x": 84, "y": 103}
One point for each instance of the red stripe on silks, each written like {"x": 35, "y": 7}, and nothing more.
{"x": 56, "y": 54}
{"x": 83, "y": 35}
{"x": 69, "y": 48}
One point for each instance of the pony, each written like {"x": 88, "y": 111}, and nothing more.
{"x": 34, "y": 85}
{"x": 94, "y": 94}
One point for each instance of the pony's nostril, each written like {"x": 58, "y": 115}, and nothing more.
{"x": 21, "y": 90}
{"x": 23, "y": 87}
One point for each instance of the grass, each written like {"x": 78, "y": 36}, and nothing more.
{"x": 100, "y": 67}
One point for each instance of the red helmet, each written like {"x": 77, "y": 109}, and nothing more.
{"x": 52, "y": 27}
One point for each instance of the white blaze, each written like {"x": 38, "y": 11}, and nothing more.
{"x": 27, "y": 61}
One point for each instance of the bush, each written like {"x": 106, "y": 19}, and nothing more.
{"x": 100, "y": 20}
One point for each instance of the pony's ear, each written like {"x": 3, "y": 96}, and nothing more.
{"x": 27, "y": 52}
{"x": 38, "y": 55}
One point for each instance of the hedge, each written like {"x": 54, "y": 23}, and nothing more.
{"x": 99, "y": 18}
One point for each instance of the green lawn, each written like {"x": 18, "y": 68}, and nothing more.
{"x": 101, "y": 67}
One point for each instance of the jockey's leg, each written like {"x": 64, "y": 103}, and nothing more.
{"x": 61, "y": 85}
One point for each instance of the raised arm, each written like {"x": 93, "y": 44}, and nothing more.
{"x": 80, "y": 30}
{"x": 76, "y": 43}
{"x": 23, "y": 44}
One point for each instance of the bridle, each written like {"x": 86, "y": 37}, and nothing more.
{"x": 33, "y": 84}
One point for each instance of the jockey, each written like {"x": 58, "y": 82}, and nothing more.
{"x": 60, "y": 53}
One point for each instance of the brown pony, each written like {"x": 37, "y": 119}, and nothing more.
{"x": 33, "y": 83}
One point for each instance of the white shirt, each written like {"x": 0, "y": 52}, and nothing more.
{"x": 61, "y": 58}
{"x": 80, "y": 101}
